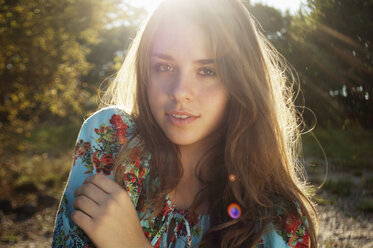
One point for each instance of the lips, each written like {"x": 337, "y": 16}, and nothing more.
{"x": 181, "y": 118}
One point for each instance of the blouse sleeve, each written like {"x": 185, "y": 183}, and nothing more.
{"x": 295, "y": 231}
{"x": 98, "y": 143}
{"x": 292, "y": 234}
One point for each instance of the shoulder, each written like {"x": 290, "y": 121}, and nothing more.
{"x": 107, "y": 123}
{"x": 111, "y": 116}
{"x": 292, "y": 233}
{"x": 101, "y": 137}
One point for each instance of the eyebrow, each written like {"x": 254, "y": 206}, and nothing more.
{"x": 168, "y": 57}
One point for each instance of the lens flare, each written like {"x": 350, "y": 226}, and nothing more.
{"x": 234, "y": 210}
{"x": 232, "y": 177}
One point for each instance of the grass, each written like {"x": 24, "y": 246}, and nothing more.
{"x": 347, "y": 148}
{"x": 368, "y": 183}
{"x": 44, "y": 164}
{"x": 51, "y": 139}
{"x": 10, "y": 237}
{"x": 25, "y": 176}
{"x": 341, "y": 187}
{"x": 366, "y": 205}
{"x": 322, "y": 201}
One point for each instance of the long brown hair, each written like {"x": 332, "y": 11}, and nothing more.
{"x": 260, "y": 142}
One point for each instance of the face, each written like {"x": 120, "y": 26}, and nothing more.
{"x": 186, "y": 96}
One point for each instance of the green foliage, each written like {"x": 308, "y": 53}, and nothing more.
{"x": 10, "y": 237}
{"x": 334, "y": 58}
{"x": 45, "y": 60}
{"x": 341, "y": 187}
{"x": 351, "y": 147}
{"x": 328, "y": 43}
{"x": 366, "y": 205}
{"x": 28, "y": 176}
{"x": 52, "y": 139}
{"x": 322, "y": 201}
{"x": 367, "y": 183}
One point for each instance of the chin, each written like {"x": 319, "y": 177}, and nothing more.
{"x": 182, "y": 140}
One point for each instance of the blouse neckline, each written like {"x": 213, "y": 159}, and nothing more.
{"x": 184, "y": 212}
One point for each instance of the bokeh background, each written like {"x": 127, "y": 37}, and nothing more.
{"x": 55, "y": 55}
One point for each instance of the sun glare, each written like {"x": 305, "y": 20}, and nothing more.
{"x": 283, "y": 5}
{"x": 149, "y": 5}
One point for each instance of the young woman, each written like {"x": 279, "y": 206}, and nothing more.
{"x": 198, "y": 147}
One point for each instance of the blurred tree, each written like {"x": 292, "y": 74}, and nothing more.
{"x": 43, "y": 57}
{"x": 277, "y": 28}
{"x": 106, "y": 54}
{"x": 332, "y": 54}
{"x": 343, "y": 32}
{"x": 328, "y": 43}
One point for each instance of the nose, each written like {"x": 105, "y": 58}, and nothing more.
{"x": 182, "y": 90}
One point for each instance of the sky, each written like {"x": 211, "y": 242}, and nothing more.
{"x": 291, "y": 5}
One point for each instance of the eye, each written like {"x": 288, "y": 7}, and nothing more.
{"x": 206, "y": 72}
{"x": 164, "y": 67}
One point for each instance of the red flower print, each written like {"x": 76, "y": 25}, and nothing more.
{"x": 130, "y": 177}
{"x": 121, "y": 133}
{"x": 95, "y": 159}
{"x": 105, "y": 169}
{"x": 121, "y": 128}
{"x": 173, "y": 238}
{"x": 142, "y": 172}
{"x": 87, "y": 146}
{"x": 158, "y": 244}
{"x": 292, "y": 223}
{"x": 181, "y": 228}
{"x": 117, "y": 121}
{"x": 108, "y": 162}
{"x": 304, "y": 243}
{"x": 79, "y": 151}
{"x": 107, "y": 159}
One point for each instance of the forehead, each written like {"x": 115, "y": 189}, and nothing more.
{"x": 179, "y": 36}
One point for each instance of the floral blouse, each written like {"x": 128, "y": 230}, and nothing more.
{"x": 99, "y": 141}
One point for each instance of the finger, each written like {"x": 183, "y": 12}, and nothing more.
{"x": 83, "y": 220}
{"x": 86, "y": 205}
{"x": 103, "y": 182}
{"x": 91, "y": 191}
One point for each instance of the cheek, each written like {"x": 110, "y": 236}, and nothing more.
{"x": 215, "y": 103}
{"x": 217, "y": 98}
{"x": 156, "y": 96}
{"x": 152, "y": 92}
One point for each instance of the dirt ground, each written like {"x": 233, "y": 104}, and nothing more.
{"x": 337, "y": 228}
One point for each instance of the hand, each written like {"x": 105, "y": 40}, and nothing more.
{"x": 107, "y": 215}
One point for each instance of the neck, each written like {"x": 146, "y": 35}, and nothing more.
{"x": 189, "y": 159}
{"x": 191, "y": 154}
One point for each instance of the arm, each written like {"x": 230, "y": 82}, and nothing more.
{"x": 98, "y": 142}
{"x": 292, "y": 234}
{"x": 66, "y": 233}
